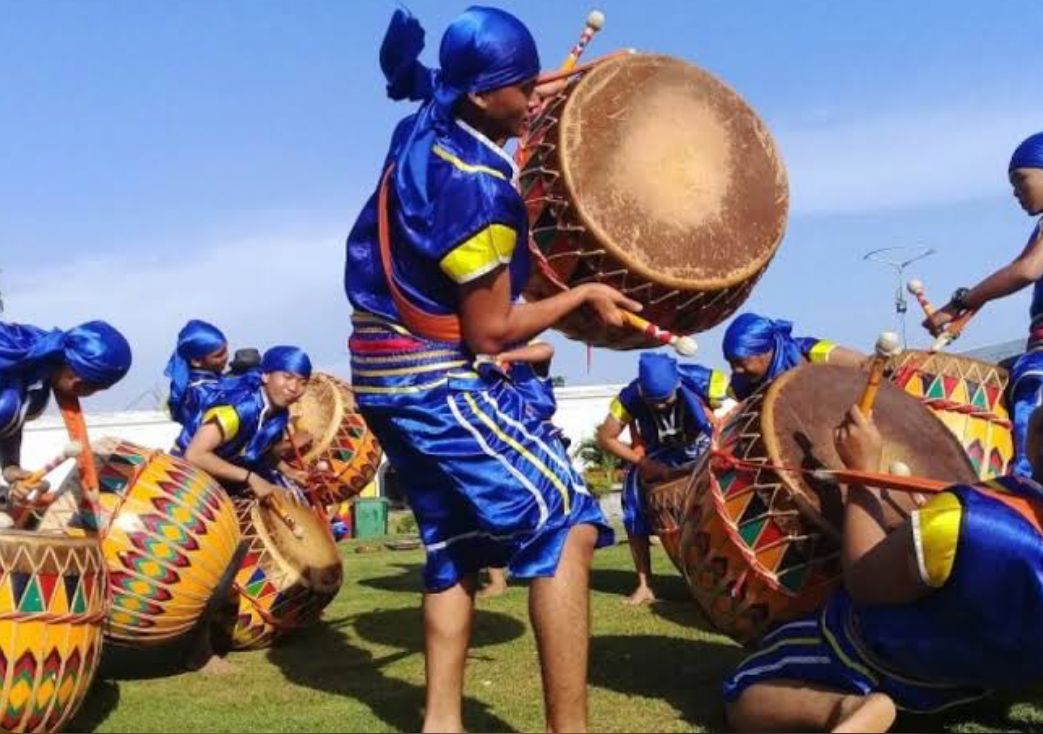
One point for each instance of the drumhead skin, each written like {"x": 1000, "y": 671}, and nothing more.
{"x": 673, "y": 173}
{"x": 804, "y": 405}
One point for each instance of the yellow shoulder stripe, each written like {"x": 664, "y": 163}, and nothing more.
{"x": 226, "y": 419}
{"x": 481, "y": 254}
{"x": 820, "y": 352}
{"x": 718, "y": 389}
{"x": 448, "y": 157}
{"x": 936, "y": 533}
{"x": 618, "y": 411}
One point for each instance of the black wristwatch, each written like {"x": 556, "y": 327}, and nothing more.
{"x": 959, "y": 298}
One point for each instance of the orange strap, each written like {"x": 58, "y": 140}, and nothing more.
{"x": 439, "y": 327}
{"x": 76, "y": 427}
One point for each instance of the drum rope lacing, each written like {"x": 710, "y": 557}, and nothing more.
{"x": 904, "y": 373}
{"x": 51, "y": 618}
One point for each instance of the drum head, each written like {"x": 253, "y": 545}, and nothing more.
{"x": 320, "y": 410}
{"x": 313, "y": 557}
{"x": 804, "y": 405}
{"x": 673, "y": 172}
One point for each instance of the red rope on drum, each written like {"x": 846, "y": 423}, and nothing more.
{"x": 913, "y": 485}
{"x": 954, "y": 407}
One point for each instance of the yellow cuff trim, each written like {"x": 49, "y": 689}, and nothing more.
{"x": 820, "y": 352}
{"x": 617, "y": 411}
{"x": 936, "y": 533}
{"x": 226, "y": 419}
{"x": 483, "y": 253}
{"x": 718, "y": 390}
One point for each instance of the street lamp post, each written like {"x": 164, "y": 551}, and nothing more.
{"x": 898, "y": 259}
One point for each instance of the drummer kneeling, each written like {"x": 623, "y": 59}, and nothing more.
{"x": 666, "y": 411}
{"x": 926, "y": 618}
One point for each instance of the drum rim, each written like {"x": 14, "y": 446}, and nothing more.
{"x": 738, "y": 277}
{"x": 294, "y": 574}
{"x": 323, "y": 443}
{"x": 47, "y": 537}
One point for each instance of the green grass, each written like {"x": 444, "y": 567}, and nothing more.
{"x": 652, "y": 669}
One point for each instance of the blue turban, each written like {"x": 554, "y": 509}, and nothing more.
{"x": 658, "y": 376}
{"x": 482, "y": 50}
{"x": 749, "y": 335}
{"x": 196, "y": 340}
{"x": 95, "y": 351}
{"x": 1029, "y": 154}
{"x": 286, "y": 359}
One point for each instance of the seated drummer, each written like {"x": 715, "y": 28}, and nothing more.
{"x": 666, "y": 408}
{"x": 231, "y": 438}
{"x": 194, "y": 368}
{"x": 33, "y": 362}
{"x": 939, "y": 611}
{"x": 1025, "y": 172}
{"x": 760, "y": 349}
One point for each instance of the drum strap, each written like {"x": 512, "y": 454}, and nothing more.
{"x": 438, "y": 327}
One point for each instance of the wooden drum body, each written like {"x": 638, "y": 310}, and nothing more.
{"x": 652, "y": 176}
{"x": 760, "y": 545}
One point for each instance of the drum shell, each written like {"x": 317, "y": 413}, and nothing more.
{"x": 53, "y": 603}
{"x": 664, "y": 508}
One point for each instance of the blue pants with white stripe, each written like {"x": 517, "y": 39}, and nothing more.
{"x": 489, "y": 482}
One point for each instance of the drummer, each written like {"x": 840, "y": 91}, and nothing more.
{"x": 760, "y": 349}
{"x": 232, "y": 436}
{"x": 33, "y": 362}
{"x": 194, "y": 368}
{"x": 667, "y": 408}
{"x": 487, "y": 484}
{"x": 1026, "y": 392}
{"x": 938, "y": 612}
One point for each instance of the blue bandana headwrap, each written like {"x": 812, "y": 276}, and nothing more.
{"x": 658, "y": 376}
{"x": 196, "y": 340}
{"x": 482, "y": 50}
{"x": 286, "y": 359}
{"x": 1029, "y": 154}
{"x": 95, "y": 351}
{"x": 749, "y": 335}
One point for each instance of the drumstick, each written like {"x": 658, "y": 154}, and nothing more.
{"x": 275, "y": 503}
{"x": 915, "y": 287}
{"x": 595, "y": 22}
{"x": 956, "y": 327}
{"x": 683, "y": 345}
{"x": 887, "y": 346}
{"x": 71, "y": 450}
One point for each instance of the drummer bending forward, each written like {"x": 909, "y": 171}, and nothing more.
{"x": 1026, "y": 391}
{"x": 665, "y": 409}
{"x": 926, "y": 618}
{"x": 760, "y": 349}
{"x": 33, "y": 363}
{"x": 489, "y": 482}
{"x": 232, "y": 436}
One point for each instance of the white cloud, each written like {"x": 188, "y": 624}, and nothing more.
{"x": 903, "y": 159}
{"x": 259, "y": 290}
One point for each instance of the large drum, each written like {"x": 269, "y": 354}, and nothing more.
{"x": 663, "y": 506}
{"x": 52, "y": 607}
{"x": 285, "y": 581}
{"x": 970, "y": 398}
{"x": 345, "y": 455}
{"x": 169, "y": 535}
{"x": 761, "y": 546}
{"x": 653, "y": 176}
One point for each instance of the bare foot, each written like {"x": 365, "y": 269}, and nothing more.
{"x": 641, "y": 595}
{"x": 217, "y": 665}
{"x": 492, "y": 589}
{"x": 874, "y": 713}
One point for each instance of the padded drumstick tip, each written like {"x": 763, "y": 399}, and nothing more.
{"x": 596, "y": 20}
{"x": 899, "y": 469}
{"x": 888, "y": 344}
{"x": 686, "y": 346}
{"x": 322, "y": 465}
{"x": 915, "y": 286}
{"x": 72, "y": 449}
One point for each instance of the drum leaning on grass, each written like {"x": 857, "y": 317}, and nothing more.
{"x": 651, "y": 175}
{"x": 759, "y": 545}
{"x": 52, "y": 608}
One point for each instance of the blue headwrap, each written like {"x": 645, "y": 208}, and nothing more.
{"x": 1029, "y": 154}
{"x": 196, "y": 340}
{"x": 749, "y": 335}
{"x": 286, "y": 359}
{"x": 658, "y": 376}
{"x": 95, "y": 351}
{"x": 482, "y": 50}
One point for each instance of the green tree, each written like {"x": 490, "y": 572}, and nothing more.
{"x": 600, "y": 468}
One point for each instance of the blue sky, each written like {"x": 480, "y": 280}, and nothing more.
{"x": 166, "y": 160}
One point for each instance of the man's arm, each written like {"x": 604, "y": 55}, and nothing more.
{"x": 201, "y": 452}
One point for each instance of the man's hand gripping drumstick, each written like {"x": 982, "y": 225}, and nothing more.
{"x": 940, "y": 322}
{"x": 33, "y": 482}
{"x": 888, "y": 345}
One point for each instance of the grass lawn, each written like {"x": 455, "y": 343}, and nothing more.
{"x": 361, "y": 669}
